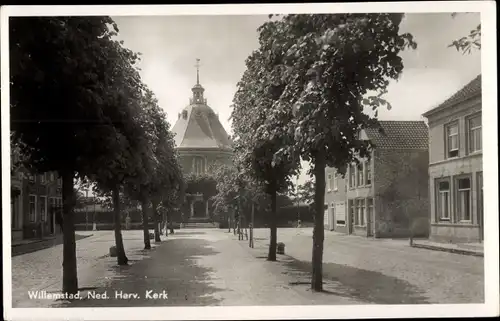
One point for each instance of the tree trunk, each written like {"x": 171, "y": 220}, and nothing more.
{"x": 70, "y": 275}
{"x": 120, "y": 250}
{"x": 318, "y": 231}
{"x": 155, "y": 220}
{"x": 271, "y": 256}
{"x": 145, "y": 223}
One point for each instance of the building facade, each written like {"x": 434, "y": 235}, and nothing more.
{"x": 387, "y": 194}
{"x": 201, "y": 141}
{"x": 456, "y": 167}
{"x": 34, "y": 202}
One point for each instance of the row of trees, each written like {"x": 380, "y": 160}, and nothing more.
{"x": 79, "y": 107}
{"x": 303, "y": 95}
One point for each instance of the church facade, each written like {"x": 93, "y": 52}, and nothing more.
{"x": 201, "y": 141}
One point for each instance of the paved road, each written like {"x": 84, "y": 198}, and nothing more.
{"x": 211, "y": 267}
{"x": 386, "y": 271}
{"x": 205, "y": 268}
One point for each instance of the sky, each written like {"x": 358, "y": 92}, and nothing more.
{"x": 170, "y": 46}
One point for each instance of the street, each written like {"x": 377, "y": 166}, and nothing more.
{"x": 206, "y": 267}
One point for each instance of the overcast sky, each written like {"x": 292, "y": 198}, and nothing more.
{"x": 171, "y": 44}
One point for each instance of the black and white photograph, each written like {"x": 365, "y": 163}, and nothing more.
{"x": 308, "y": 160}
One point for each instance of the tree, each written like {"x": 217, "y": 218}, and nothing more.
{"x": 330, "y": 68}
{"x": 256, "y": 143}
{"x": 63, "y": 103}
{"x": 467, "y": 43}
{"x": 305, "y": 193}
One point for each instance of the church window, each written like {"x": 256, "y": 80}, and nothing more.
{"x": 199, "y": 165}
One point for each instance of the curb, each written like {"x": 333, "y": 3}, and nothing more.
{"x": 450, "y": 250}
{"x": 21, "y": 249}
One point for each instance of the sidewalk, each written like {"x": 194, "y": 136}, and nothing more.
{"x": 20, "y": 247}
{"x": 42, "y": 270}
{"x": 474, "y": 249}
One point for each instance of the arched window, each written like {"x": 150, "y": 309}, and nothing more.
{"x": 198, "y": 165}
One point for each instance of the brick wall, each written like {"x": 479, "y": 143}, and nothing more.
{"x": 401, "y": 193}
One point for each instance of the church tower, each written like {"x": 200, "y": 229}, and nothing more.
{"x": 200, "y": 140}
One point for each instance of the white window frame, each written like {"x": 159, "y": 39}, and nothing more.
{"x": 368, "y": 173}
{"x": 335, "y": 182}
{"x": 43, "y": 216}
{"x": 458, "y": 192}
{"x": 351, "y": 211}
{"x": 360, "y": 174}
{"x": 369, "y": 208}
{"x": 352, "y": 176}
{"x": 471, "y": 132}
{"x": 345, "y": 215}
{"x": 32, "y": 216}
{"x": 448, "y": 136}
{"x": 198, "y": 165}
{"x": 360, "y": 210}
{"x": 329, "y": 182}
{"x": 439, "y": 194}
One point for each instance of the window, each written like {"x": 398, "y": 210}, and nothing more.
{"x": 31, "y": 177}
{"x": 42, "y": 178}
{"x": 368, "y": 173}
{"x": 452, "y": 140}
{"x": 59, "y": 181}
{"x": 464, "y": 199}
{"x": 443, "y": 200}
{"x": 369, "y": 210}
{"x": 352, "y": 175}
{"x": 339, "y": 212}
{"x": 43, "y": 208}
{"x": 32, "y": 212}
{"x": 335, "y": 182}
{"x": 361, "y": 178}
{"x": 360, "y": 212}
{"x": 352, "y": 211}
{"x": 475, "y": 139}
{"x": 329, "y": 182}
{"x": 198, "y": 165}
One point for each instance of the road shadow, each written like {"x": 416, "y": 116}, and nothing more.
{"x": 171, "y": 268}
{"x": 363, "y": 285}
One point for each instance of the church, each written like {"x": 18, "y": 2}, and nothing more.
{"x": 201, "y": 141}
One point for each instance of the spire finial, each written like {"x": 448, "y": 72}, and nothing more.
{"x": 197, "y": 71}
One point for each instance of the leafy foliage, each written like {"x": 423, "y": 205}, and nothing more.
{"x": 467, "y": 43}
{"x": 305, "y": 91}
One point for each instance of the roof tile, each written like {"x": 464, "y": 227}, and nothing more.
{"x": 400, "y": 135}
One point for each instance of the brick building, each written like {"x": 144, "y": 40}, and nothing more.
{"x": 34, "y": 202}
{"x": 200, "y": 140}
{"x": 388, "y": 193}
{"x": 456, "y": 166}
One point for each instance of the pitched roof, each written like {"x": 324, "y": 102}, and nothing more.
{"x": 200, "y": 129}
{"x": 470, "y": 90}
{"x": 399, "y": 135}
